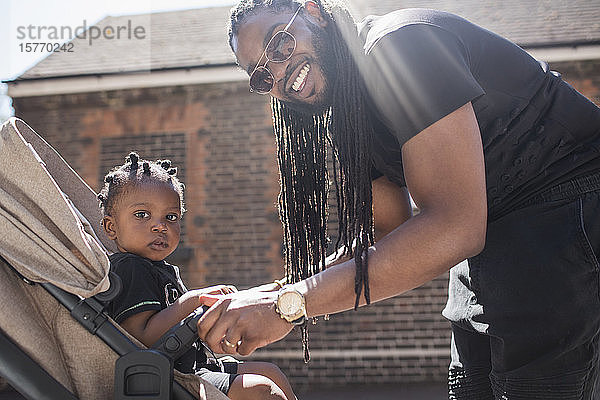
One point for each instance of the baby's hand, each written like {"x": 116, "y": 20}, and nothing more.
{"x": 218, "y": 289}
{"x": 209, "y": 299}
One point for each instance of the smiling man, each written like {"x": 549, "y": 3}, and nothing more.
{"x": 500, "y": 155}
{"x": 309, "y": 91}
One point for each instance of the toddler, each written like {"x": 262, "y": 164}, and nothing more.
{"x": 142, "y": 203}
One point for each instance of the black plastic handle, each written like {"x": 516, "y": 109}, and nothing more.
{"x": 179, "y": 338}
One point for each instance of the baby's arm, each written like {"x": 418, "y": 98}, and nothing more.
{"x": 149, "y": 326}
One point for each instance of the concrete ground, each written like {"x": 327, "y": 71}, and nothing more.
{"x": 396, "y": 392}
{"x": 435, "y": 391}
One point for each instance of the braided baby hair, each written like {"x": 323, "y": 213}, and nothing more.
{"x": 136, "y": 171}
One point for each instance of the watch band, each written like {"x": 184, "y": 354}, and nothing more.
{"x": 299, "y": 321}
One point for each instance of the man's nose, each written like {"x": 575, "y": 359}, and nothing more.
{"x": 278, "y": 70}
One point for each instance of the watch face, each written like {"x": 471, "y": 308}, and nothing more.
{"x": 290, "y": 303}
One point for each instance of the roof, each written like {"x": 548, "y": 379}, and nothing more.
{"x": 197, "y": 37}
{"x": 177, "y": 39}
{"x": 529, "y": 23}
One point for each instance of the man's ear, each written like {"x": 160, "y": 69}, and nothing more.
{"x": 314, "y": 10}
{"x": 108, "y": 223}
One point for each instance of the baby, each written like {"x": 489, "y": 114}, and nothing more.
{"x": 142, "y": 203}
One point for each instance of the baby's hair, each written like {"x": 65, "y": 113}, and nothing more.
{"x": 136, "y": 171}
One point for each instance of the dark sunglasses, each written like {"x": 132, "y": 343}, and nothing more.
{"x": 279, "y": 49}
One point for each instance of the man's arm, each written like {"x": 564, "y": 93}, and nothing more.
{"x": 391, "y": 206}
{"x": 445, "y": 173}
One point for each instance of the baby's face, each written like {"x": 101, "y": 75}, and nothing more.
{"x": 146, "y": 220}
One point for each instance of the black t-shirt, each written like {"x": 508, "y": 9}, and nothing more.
{"x": 421, "y": 65}
{"x": 149, "y": 285}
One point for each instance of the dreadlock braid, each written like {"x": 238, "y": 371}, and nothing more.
{"x": 351, "y": 134}
{"x": 302, "y": 159}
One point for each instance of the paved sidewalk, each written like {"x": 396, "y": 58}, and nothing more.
{"x": 434, "y": 391}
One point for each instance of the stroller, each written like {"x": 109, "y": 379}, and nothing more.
{"x": 55, "y": 340}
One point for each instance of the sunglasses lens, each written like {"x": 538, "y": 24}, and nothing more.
{"x": 280, "y": 47}
{"x": 261, "y": 80}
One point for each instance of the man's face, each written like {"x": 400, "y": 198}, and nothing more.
{"x": 304, "y": 80}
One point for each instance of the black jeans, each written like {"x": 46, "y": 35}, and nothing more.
{"x": 526, "y": 311}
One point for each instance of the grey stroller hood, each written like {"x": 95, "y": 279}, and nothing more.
{"x": 48, "y": 215}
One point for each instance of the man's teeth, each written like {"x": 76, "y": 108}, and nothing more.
{"x": 301, "y": 78}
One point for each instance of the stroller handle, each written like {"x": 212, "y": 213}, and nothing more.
{"x": 180, "y": 337}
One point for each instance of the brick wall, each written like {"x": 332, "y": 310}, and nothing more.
{"x": 221, "y": 138}
{"x": 583, "y": 76}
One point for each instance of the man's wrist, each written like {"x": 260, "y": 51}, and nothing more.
{"x": 291, "y": 306}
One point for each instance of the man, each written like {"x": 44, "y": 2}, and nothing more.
{"x": 499, "y": 154}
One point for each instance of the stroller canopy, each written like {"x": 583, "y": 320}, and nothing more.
{"x": 50, "y": 231}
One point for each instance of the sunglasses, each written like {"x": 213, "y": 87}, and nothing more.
{"x": 279, "y": 49}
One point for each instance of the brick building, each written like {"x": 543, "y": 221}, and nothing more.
{"x": 176, "y": 93}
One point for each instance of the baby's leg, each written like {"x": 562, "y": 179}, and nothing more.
{"x": 271, "y": 371}
{"x": 254, "y": 387}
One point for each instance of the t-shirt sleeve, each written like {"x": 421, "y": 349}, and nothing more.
{"x": 417, "y": 75}
{"x": 140, "y": 290}
{"x": 375, "y": 173}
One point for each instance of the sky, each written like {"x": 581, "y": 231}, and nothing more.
{"x": 17, "y": 15}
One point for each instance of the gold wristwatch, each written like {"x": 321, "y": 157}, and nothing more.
{"x": 290, "y": 305}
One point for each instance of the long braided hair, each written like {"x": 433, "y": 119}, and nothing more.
{"x": 302, "y": 141}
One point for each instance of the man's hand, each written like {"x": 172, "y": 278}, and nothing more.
{"x": 239, "y": 323}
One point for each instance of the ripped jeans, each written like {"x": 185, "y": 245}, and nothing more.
{"x": 525, "y": 312}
